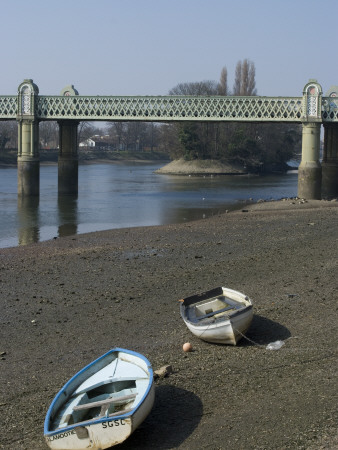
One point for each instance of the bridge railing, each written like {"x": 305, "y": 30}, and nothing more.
{"x": 8, "y": 106}
{"x": 171, "y": 108}
{"x": 330, "y": 109}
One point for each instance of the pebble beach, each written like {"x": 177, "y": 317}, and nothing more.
{"x": 66, "y": 301}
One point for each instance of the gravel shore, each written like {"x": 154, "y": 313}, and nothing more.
{"x": 66, "y": 301}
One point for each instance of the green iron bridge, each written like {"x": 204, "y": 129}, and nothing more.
{"x": 311, "y": 110}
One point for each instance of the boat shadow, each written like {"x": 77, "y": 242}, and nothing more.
{"x": 174, "y": 416}
{"x": 262, "y": 331}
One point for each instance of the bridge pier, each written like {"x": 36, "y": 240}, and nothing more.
{"x": 28, "y": 140}
{"x": 68, "y": 158}
{"x": 28, "y": 208}
{"x": 310, "y": 171}
{"x": 28, "y": 158}
{"x": 330, "y": 161}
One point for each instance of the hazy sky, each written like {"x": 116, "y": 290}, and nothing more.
{"x": 146, "y": 47}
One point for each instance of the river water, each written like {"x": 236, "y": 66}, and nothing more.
{"x": 125, "y": 195}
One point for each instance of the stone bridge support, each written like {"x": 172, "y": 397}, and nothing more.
{"x": 330, "y": 161}
{"x": 68, "y": 158}
{"x": 28, "y": 158}
{"x": 28, "y": 140}
{"x": 310, "y": 171}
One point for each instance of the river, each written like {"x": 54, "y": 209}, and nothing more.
{"x": 125, "y": 195}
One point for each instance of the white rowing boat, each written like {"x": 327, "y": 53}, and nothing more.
{"x": 220, "y": 315}
{"x": 102, "y": 404}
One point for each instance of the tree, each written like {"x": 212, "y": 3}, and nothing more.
{"x": 3, "y": 141}
{"x": 85, "y": 131}
{"x": 8, "y": 134}
{"x": 134, "y": 136}
{"x": 194, "y": 137}
{"x": 169, "y": 141}
{"x": 207, "y": 87}
{"x": 245, "y": 83}
{"x": 49, "y": 134}
{"x": 263, "y": 147}
{"x": 223, "y": 82}
{"x": 188, "y": 136}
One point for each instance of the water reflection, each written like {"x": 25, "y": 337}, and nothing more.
{"x": 29, "y": 220}
{"x": 68, "y": 219}
{"x": 124, "y": 195}
{"x": 28, "y": 216}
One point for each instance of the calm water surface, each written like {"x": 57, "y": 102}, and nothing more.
{"x": 125, "y": 195}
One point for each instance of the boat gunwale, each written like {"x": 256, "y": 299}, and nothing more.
{"x": 96, "y": 420}
{"x": 187, "y": 301}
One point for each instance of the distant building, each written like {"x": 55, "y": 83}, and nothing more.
{"x": 97, "y": 142}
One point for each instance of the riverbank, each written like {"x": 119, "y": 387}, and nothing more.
{"x": 66, "y": 301}
{"x": 8, "y": 157}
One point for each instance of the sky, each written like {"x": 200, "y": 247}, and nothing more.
{"x": 147, "y": 47}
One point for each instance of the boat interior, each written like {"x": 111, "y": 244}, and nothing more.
{"x": 216, "y": 307}
{"x": 115, "y": 389}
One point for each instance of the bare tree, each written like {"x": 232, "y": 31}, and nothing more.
{"x": 223, "y": 82}
{"x": 8, "y": 134}
{"x": 245, "y": 83}
{"x": 49, "y": 134}
{"x": 207, "y": 87}
{"x": 86, "y": 130}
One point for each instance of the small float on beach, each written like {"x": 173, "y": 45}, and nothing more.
{"x": 220, "y": 315}
{"x": 102, "y": 404}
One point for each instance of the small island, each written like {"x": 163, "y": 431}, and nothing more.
{"x": 201, "y": 167}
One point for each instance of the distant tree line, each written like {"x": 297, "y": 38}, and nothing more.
{"x": 258, "y": 147}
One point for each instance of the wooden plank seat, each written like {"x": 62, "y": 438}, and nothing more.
{"x": 234, "y": 305}
{"x": 212, "y": 313}
{"x": 105, "y": 402}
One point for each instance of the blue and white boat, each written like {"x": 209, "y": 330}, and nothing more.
{"x": 102, "y": 404}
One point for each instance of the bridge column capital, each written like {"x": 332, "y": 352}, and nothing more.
{"x": 69, "y": 91}
{"x": 27, "y": 91}
{"x": 312, "y": 102}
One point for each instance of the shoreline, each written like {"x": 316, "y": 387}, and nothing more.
{"x": 96, "y": 161}
{"x": 171, "y": 167}
{"x": 203, "y": 167}
{"x": 66, "y": 301}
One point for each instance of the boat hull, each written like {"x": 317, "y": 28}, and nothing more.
{"x": 103, "y": 434}
{"x": 103, "y": 431}
{"x": 218, "y": 325}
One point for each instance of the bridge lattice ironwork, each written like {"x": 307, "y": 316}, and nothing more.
{"x": 170, "y": 108}
{"x": 330, "y": 109}
{"x": 8, "y": 106}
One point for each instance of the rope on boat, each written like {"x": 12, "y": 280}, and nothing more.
{"x": 248, "y": 339}
{"x": 235, "y": 329}
{"x": 276, "y": 345}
